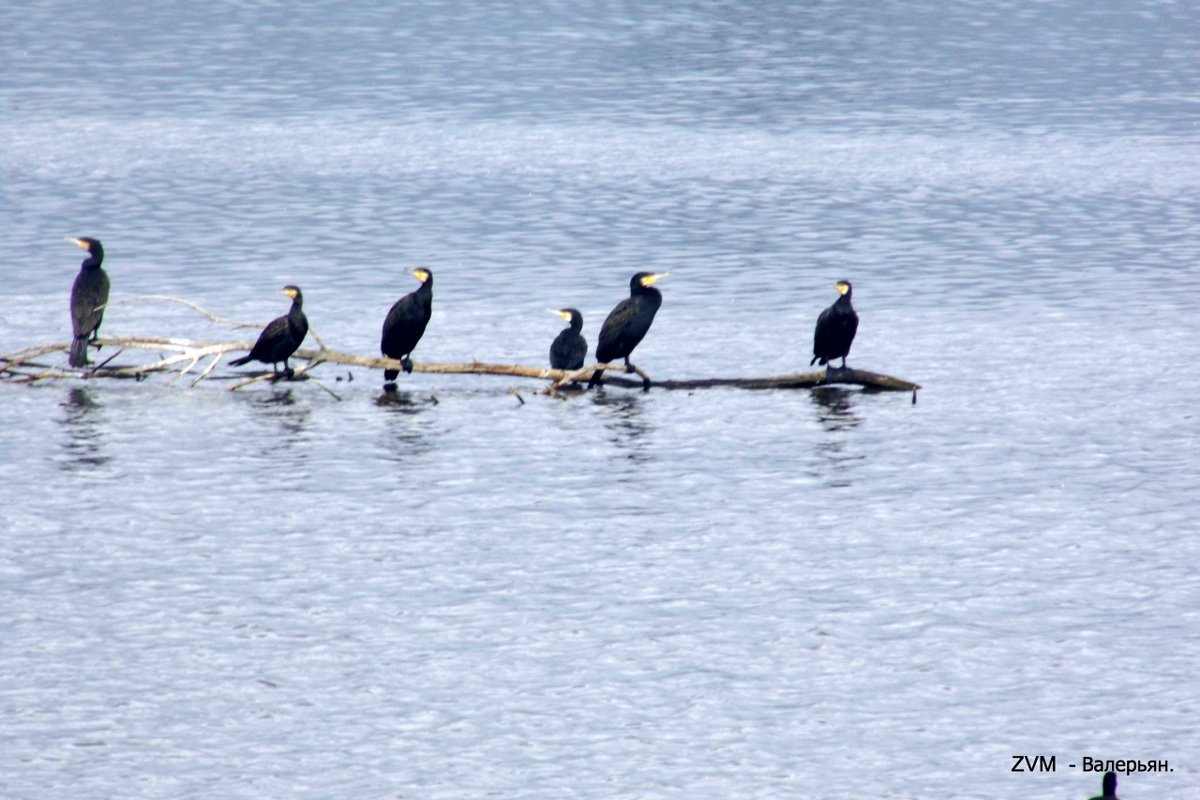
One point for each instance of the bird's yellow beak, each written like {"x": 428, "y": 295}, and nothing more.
{"x": 290, "y": 293}
{"x": 420, "y": 274}
{"x": 842, "y": 288}
{"x": 78, "y": 242}
{"x": 564, "y": 314}
{"x": 649, "y": 280}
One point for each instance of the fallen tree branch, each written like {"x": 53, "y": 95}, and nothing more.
{"x": 182, "y": 355}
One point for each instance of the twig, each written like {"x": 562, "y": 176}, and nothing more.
{"x": 104, "y": 363}
{"x": 216, "y": 359}
{"x": 233, "y": 323}
{"x": 162, "y": 298}
{"x": 21, "y": 357}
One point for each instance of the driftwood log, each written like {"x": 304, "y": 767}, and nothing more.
{"x": 181, "y": 356}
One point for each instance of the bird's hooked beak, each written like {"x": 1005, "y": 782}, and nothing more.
{"x": 78, "y": 242}
{"x": 650, "y": 280}
{"x": 564, "y": 314}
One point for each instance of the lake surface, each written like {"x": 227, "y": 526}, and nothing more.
{"x": 444, "y": 592}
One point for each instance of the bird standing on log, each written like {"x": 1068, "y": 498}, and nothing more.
{"x": 627, "y": 324}
{"x": 836, "y": 327}
{"x": 569, "y": 349}
{"x": 88, "y": 297}
{"x": 282, "y": 336}
{"x": 405, "y": 324}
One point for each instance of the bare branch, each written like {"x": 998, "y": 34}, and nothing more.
{"x": 162, "y": 298}
{"x": 180, "y": 356}
{"x": 233, "y": 323}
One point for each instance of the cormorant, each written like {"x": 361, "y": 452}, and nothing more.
{"x": 281, "y": 337}
{"x": 569, "y": 348}
{"x": 836, "y": 327}
{"x": 405, "y": 323}
{"x": 1109, "y": 787}
{"x": 628, "y": 322}
{"x": 88, "y": 297}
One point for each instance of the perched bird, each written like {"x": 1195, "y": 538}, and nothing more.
{"x": 405, "y": 323}
{"x": 88, "y": 297}
{"x": 836, "y": 327}
{"x": 1109, "y": 786}
{"x": 569, "y": 348}
{"x": 281, "y": 337}
{"x": 627, "y": 324}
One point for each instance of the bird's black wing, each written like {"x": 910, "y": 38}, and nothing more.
{"x": 403, "y": 327}
{"x": 619, "y": 333}
{"x": 276, "y": 333}
{"x": 88, "y": 295}
{"x": 577, "y": 355}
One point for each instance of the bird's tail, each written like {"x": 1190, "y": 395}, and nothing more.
{"x": 814, "y": 361}
{"x": 79, "y": 347}
{"x": 595, "y": 379}
{"x": 390, "y": 375}
{"x": 237, "y": 362}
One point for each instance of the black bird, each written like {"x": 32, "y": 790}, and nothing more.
{"x": 836, "y": 327}
{"x": 88, "y": 297}
{"x": 405, "y": 323}
{"x": 281, "y": 337}
{"x": 569, "y": 348}
{"x": 627, "y": 324}
{"x": 1109, "y": 787}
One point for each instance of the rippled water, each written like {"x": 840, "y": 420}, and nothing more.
{"x": 446, "y": 592}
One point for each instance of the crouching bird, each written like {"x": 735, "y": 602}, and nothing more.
{"x": 569, "y": 349}
{"x": 282, "y": 336}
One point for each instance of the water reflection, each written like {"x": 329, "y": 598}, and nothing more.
{"x": 624, "y": 422}
{"x": 404, "y": 409}
{"x": 402, "y": 402}
{"x": 835, "y": 407}
{"x": 82, "y": 422}
{"x": 835, "y": 411}
{"x": 282, "y": 408}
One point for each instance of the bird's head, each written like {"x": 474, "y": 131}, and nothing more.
{"x": 87, "y": 243}
{"x": 644, "y": 279}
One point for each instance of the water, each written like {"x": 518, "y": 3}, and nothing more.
{"x": 448, "y": 593}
